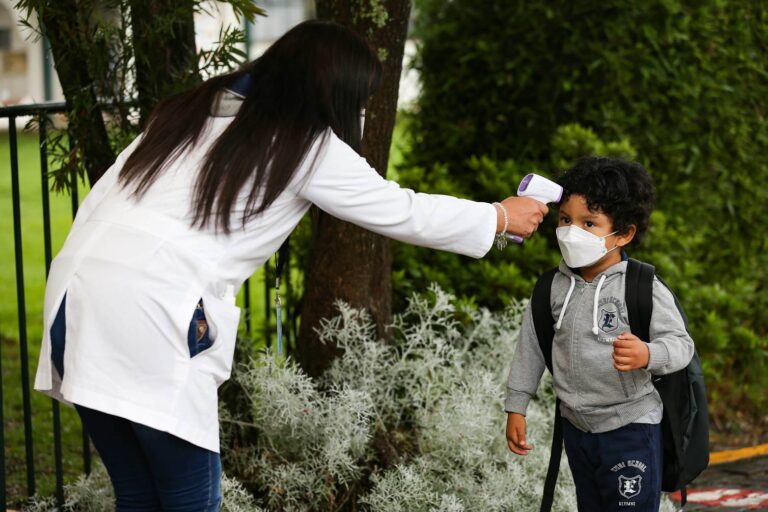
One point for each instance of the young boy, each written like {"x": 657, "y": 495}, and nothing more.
{"x": 602, "y": 372}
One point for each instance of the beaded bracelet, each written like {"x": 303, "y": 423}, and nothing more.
{"x": 501, "y": 237}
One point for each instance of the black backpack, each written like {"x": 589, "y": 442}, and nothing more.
{"x": 685, "y": 424}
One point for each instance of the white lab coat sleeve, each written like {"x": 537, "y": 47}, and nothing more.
{"x": 344, "y": 185}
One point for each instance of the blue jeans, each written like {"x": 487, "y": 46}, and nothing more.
{"x": 150, "y": 470}
{"x": 619, "y": 470}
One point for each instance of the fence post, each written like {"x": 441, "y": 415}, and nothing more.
{"x": 21, "y": 307}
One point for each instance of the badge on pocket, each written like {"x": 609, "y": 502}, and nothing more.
{"x": 198, "y": 338}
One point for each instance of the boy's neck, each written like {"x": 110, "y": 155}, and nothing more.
{"x": 611, "y": 259}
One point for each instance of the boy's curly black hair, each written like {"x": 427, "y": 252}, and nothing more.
{"x": 620, "y": 189}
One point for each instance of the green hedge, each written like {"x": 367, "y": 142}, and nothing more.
{"x": 680, "y": 87}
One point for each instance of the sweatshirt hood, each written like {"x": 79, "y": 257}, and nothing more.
{"x": 573, "y": 276}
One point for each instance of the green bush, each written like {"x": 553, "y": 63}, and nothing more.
{"x": 685, "y": 82}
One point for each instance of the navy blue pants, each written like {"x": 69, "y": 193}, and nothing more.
{"x": 150, "y": 470}
{"x": 616, "y": 470}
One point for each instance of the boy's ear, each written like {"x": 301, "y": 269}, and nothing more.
{"x": 622, "y": 240}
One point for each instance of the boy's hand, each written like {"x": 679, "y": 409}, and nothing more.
{"x": 516, "y": 434}
{"x": 630, "y": 352}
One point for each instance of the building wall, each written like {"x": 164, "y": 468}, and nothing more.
{"x": 21, "y": 61}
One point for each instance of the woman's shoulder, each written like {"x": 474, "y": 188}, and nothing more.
{"x": 330, "y": 152}
{"x": 333, "y": 163}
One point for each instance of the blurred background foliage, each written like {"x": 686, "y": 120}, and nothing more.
{"x": 512, "y": 87}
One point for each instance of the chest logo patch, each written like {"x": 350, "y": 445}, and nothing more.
{"x": 608, "y": 320}
{"x": 610, "y": 314}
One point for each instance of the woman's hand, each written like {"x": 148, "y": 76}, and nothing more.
{"x": 516, "y": 434}
{"x": 525, "y": 215}
{"x": 630, "y": 352}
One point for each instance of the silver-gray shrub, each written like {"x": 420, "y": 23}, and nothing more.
{"x": 416, "y": 424}
{"x": 93, "y": 493}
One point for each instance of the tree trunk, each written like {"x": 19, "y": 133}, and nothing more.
{"x": 68, "y": 36}
{"x": 164, "y": 50}
{"x": 347, "y": 262}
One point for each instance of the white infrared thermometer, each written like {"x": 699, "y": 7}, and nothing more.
{"x": 538, "y": 188}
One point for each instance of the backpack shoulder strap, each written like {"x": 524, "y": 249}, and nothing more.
{"x": 541, "y": 310}
{"x": 553, "y": 468}
{"x": 638, "y": 294}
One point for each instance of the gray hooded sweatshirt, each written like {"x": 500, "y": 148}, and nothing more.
{"x": 588, "y": 317}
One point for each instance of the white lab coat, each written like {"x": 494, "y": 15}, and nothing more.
{"x": 133, "y": 272}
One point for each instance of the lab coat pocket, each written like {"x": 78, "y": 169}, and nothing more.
{"x": 222, "y": 320}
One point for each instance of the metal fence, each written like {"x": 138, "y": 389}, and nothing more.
{"x": 41, "y": 113}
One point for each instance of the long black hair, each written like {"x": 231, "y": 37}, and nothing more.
{"x": 319, "y": 75}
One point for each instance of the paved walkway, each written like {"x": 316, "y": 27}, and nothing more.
{"x": 734, "y": 486}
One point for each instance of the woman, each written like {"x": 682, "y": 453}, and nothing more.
{"x": 143, "y": 291}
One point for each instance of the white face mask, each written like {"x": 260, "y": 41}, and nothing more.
{"x": 579, "y": 247}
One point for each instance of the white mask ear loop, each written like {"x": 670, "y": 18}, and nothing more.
{"x": 606, "y": 252}
{"x": 616, "y": 245}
